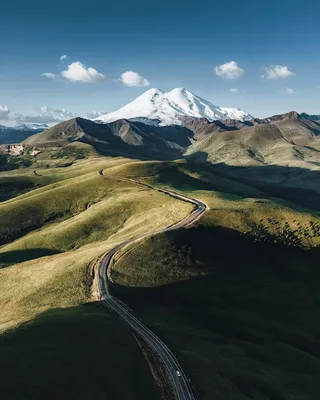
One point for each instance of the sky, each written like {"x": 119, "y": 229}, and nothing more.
{"x": 70, "y": 58}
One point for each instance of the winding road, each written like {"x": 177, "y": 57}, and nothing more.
{"x": 178, "y": 378}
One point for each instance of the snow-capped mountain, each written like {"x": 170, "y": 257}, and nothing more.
{"x": 169, "y": 107}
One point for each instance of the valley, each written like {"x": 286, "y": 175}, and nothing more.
{"x": 230, "y": 293}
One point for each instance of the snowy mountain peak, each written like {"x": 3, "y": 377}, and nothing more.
{"x": 150, "y": 94}
{"x": 170, "y": 107}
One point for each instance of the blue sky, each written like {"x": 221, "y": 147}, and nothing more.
{"x": 167, "y": 44}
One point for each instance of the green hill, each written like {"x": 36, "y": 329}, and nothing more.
{"x": 50, "y": 237}
{"x": 292, "y": 142}
{"x": 236, "y": 296}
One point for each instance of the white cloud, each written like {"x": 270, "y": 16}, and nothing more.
{"x": 131, "y": 78}
{"x": 234, "y": 90}
{"x": 278, "y": 72}
{"x": 77, "y": 72}
{"x": 94, "y": 114}
{"x": 229, "y": 70}
{"x": 49, "y": 75}
{"x": 4, "y": 113}
{"x": 63, "y": 57}
{"x": 46, "y": 115}
{"x": 290, "y": 91}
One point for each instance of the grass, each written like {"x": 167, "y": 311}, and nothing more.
{"x": 78, "y": 219}
{"x": 78, "y": 352}
{"x": 45, "y": 282}
{"x": 13, "y": 186}
{"x": 80, "y": 211}
{"x": 240, "y": 314}
{"x": 236, "y": 297}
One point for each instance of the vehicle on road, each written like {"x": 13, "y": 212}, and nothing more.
{"x": 178, "y": 373}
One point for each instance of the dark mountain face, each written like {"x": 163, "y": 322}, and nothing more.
{"x": 281, "y": 138}
{"x": 121, "y": 135}
{"x": 310, "y": 117}
{"x": 10, "y": 135}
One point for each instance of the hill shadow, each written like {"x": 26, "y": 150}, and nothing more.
{"x": 132, "y": 152}
{"x": 66, "y": 350}
{"x": 298, "y": 185}
{"x": 268, "y": 285}
{"x": 17, "y": 256}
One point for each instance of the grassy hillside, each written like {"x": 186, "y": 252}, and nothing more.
{"x": 249, "y": 328}
{"x": 45, "y": 280}
{"x": 287, "y": 142}
{"x": 79, "y": 352}
{"x": 14, "y": 185}
{"x": 236, "y": 297}
{"x": 262, "y": 224}
{"x": 121, "y": 136}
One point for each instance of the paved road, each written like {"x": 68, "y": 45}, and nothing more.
{"x": 180, "y": 383}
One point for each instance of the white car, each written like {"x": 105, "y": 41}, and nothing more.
{"x": 178, "y": 373}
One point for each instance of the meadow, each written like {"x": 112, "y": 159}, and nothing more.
{"x": 235, "y": 296}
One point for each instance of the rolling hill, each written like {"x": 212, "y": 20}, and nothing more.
{"x": 119, "y": 136}
{"x": 208, "y": 303}
{"x": 281, "y": 140}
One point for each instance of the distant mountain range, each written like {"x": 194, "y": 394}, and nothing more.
{"x": 176, "y": 124}
{"x": 287, "y": 139}
{"x": 168, "y": 108}
{"x": 19, "y": 133}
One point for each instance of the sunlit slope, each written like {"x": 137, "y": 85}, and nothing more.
{"x": 258, "y": 220}
{"x": 87, "y": 215}
{"x": 287, "y": 142}
{"x": 235, "y": 296}
{"x": 49, "y": 330}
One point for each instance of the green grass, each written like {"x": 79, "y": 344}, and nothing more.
{"x": 235, "y": 297}
{"x": 60, "y": 229}
{"x": 182, "y": 176}
{"x": 246, "y": 326}
{"x": 260, "y": 221}
{"x": 75, "y": 221}
{"x": 80, "y": 352}
{"x": 12, "y": 186}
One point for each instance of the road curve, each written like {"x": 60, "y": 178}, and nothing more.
{"x": 180, "y": 383}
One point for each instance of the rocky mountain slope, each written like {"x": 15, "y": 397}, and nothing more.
{"x": 119, "y": 136}
{"x": 281, "y": 140}
{"x": 288, "y": 139}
